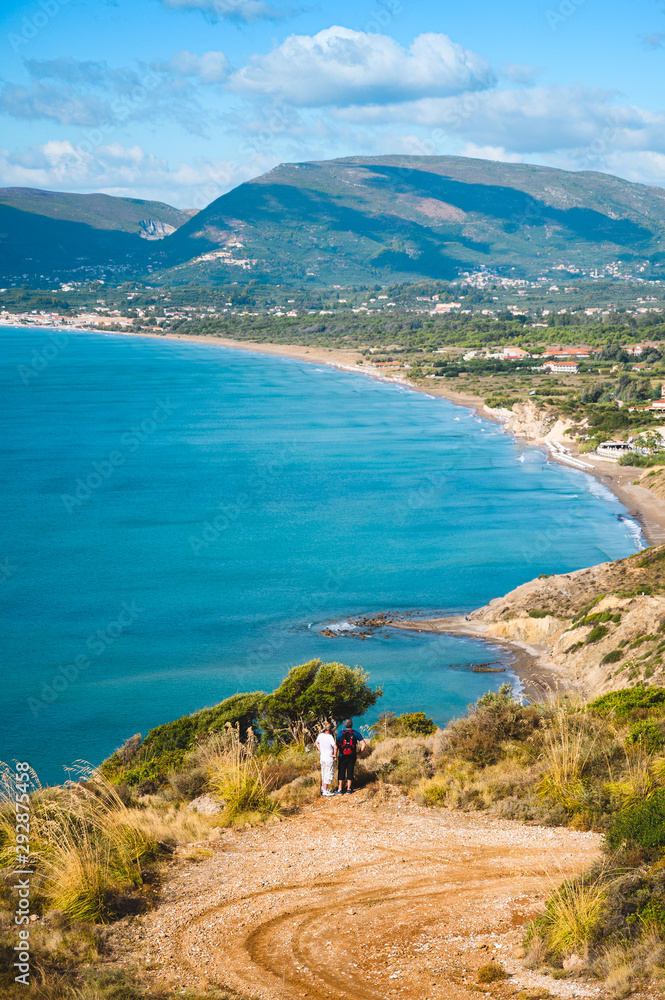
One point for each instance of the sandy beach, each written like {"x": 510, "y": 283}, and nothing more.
{"x": 643, "y": 506}
{"x": 538, "y": 677}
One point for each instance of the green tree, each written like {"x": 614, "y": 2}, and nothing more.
{"x": 314, "y": 693}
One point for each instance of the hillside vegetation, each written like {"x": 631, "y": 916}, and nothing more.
{"x": 366, "y": 218}
{"x": 355, "y": 220}
{"x": 598, "y": 628}
{"x": 51, "y": 233}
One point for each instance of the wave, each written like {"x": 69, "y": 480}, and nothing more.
{"x": 634, "y": 531}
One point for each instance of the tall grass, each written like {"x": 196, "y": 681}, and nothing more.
{"x": 86, "y": 846}
{"x": 237, "y": 775}
{"x": 570, "y": 743}
{"x": 572, "y": 911}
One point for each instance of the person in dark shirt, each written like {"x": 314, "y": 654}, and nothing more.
{"x": 348, "y": 742}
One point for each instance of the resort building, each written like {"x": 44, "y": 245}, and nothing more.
{"x": 613, "y": 449}
{"x": 562, "y": 367}
{"x": 515, "y": 352}
{"x": 567, "y": 352}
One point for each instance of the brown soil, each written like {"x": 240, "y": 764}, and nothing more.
{"x": 362, "y": 897}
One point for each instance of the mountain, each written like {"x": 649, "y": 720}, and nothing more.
{"x": 360, "y": 220}
{"x": 364, "y": 219}
{"x": 51, "y": 233}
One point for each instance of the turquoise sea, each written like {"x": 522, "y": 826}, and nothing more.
{"x": 180, "y": 521}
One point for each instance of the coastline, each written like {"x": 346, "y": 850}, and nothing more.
{"x": 539, "y": 677}
{"x": 642, "y": 506}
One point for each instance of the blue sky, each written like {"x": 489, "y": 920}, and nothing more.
{"x": 180, "y": 100}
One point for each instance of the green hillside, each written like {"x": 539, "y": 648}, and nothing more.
{"x": 408, "y": 217}
{"x": 360, "y": 220}
{"x": 53, "y": 233}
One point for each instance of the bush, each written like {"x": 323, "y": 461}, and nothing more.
{"x": 188, "y": 785}
{"x": 646, "y": 734}
{"x": 89, "y": 849}
{"x": 598, "y": 618}
{"x": 612, "y": 657}
{"x": 491, "y": 973}
{"x": 495, "y": 719}
{"x": 408, "y": 724}
{"x": 314, "y": 693}
{"x": 632, "y": 902}
{"x": 639, "y": 701}
{"x": 237, "y": 776}
{"x": 597, "y": 633}
{"x": 400, "y": 761}
{"x": 641, "y": 825}
{"x": 538, "y": 613}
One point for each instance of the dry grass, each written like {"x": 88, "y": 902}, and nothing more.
{"x": 87, "y": 846}
{"x": 171, "y": 824}
{"x": 569, "y": 744}
{"x": 572, "y": 912}
{"x": 238, "y": 776}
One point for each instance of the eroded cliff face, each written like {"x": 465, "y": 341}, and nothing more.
{"x": 654, "y": 480}
{"x": 602, "y": 627}
{"x": 527, "y": 420}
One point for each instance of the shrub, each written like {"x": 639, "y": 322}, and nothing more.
{"x": 643, "y": 638}
{"x": 317, "y": 692}
{"x": 146, "y": 764}
{"x": 491, "y": 973}
{"x": 188, "y": 784}
{"x": 89, "y": 848}
{"x": 633, "y": 902}
{"x": 612, "y": 657}
{"x": 400, "y": 761}
{"x": 598, "y": 618}
{"x": 408, "y": 724}
{"x": 571, "y": 914}
{"x": 647, "y": 734}
{"x": 236, "y": 775}
{"x": 641, "y": 825}
{"x": 638, "y": 701}
{"x": 597, "y": 633}
{"x": 538, "y": 613}
{"x": 495, "y": 719}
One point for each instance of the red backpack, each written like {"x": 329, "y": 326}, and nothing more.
{"x": 349, "y": 743}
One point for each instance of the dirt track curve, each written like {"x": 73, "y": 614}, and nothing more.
{"x": 361, "y": 898}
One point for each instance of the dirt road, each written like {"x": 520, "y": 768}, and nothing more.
{"x": 361, "y": 898}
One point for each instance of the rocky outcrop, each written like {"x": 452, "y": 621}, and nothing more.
{"x": 528, "y": 420}
{"x": 207, "y": 805}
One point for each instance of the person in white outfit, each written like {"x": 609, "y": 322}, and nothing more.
{"x": 327, "y": 748}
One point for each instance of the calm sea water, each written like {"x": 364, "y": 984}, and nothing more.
{"x": 180, "y": 521}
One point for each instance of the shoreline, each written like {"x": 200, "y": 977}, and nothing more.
{"x": 538, "y": 677}
{"x": 641, "y": 505}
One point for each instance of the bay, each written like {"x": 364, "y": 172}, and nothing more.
{"x": 180, "y": 521}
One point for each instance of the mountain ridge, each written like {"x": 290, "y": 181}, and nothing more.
{"x": 354, "y": 220}
{"x": 422, "y": 217}
{"x": 50, "y": 232}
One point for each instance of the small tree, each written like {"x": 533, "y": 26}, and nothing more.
{"x": 314, "y": 693}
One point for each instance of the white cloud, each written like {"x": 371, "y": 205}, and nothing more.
{"x": 533, "y": 120}
{"x": 233, "y": 10}
{"x": 211, "y": 67}
{"x": 92, "y": 94}
{"x": 121, "y": 170}
{"x": 41, "y": 100}
{"x": 344, "y": 67}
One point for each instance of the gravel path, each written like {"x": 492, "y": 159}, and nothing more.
{"x": 360, "y": 897}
